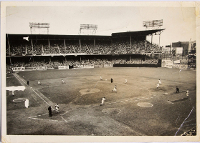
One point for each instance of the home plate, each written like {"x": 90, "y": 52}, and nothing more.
{"x": 144, "y": 104}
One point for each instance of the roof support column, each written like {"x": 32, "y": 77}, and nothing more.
{"x": 159, "y": 45}
{"x": 159, "y": 40}
{"x": 145, "y": 45}
{"x": 8, "y": 46}
{"x": 49, "y": 44}
{"x": 151, "y": 40}
{"x": 130, "y": 41}
{"x": 94, "y": 42}
{"x": 32, "y": 45}
{"x": 10, "y": 61}
{"x": 80, "y": 43}
{"x": 64, "y": 46}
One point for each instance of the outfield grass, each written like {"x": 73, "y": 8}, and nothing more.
{"x": 80, "y": 97}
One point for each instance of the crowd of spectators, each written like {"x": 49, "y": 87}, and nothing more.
{"x": 42, "y": 47}
{"x": 72, "y": 62}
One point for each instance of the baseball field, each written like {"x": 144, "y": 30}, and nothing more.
{"x": 137, "y": 108}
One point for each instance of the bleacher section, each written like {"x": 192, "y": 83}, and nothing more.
{"x": 41, "y": 47}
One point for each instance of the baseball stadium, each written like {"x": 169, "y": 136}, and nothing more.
{"x": 94, "y": 85}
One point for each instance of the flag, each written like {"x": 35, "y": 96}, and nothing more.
{"x": 26, "y": 38}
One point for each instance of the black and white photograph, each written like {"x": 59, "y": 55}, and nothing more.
{"x": 99, "y": 69}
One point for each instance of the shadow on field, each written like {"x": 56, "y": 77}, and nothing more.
{"x": 182, "y": 99}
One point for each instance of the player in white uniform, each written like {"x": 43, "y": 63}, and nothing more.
{"x": 187, "y": 93}
{"x": 126, "y": 81}
{"x": 102, "y": 101}
{"x": 57, "y": 108}
{"x": 63, "y": 82}
{"x": 26, "y": 103}
{"x": 13, "y": 93}
{"x": 115, "y": 89}
{"x": 159, "y": 81}
{"x": 101, "y": 78}
{"x": 39, "y": 83}
{"x": 158, "y": 85}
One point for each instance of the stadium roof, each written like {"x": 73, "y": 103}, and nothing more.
{"x": 86, "y": 37}
{"x": 56, "y": 37}
{"x": 136, "y": 33}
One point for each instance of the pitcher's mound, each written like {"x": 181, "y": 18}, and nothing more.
{"x": 89, "y": 91}
{"x": 144, "y": 104}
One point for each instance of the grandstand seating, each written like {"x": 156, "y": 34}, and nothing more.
{"x": 41, "y": 47}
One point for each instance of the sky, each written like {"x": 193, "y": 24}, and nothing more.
{"x": 178, "y": 22}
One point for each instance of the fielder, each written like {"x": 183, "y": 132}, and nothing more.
{"x": 115, "y": 89}
{"x": 102, "y": 101}
{"x": 26, "y": 103}
{"x": 159, "y": 81}
{"x": 13, "y": 93}
{"x": 177, "y": 89}
{"x": 187, "y": 93}
{"x": 158, "y": 85}
{"x": 39, "y": 83}
{"x": 63, "y": 82}
{"x": 126, "y": 81}
{"x": 101, "y": 78}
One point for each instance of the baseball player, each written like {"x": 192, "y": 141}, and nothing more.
{"x": 63, "y": 82}
{"x": 115, "y": 89}
{"x": 187, "y": 93}
{"x": 126, "y": 81}
{"x": 177, "y": 89}
{"x": 158, "y": 85}
{"x": 102, "y": 101}
{"x": 57, "y": 108}
{"x": 159, "y": 81}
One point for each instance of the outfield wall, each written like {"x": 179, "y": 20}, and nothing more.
{"x": 136, "y": 65}
{"x": 174, "y": 64}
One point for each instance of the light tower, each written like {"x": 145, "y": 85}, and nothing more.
{"x": 88, "y": 29}
{"x": 38, "y": 26}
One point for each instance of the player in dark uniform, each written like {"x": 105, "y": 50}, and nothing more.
{"x": 50, "y": 111}
{"x": 177, "y": 89}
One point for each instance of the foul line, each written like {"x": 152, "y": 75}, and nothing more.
{"x": 184, "y": 121}
{"x": 31, "y": 88}
{"x": 63, "y": 119}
